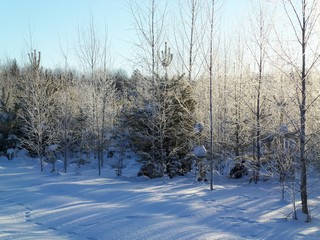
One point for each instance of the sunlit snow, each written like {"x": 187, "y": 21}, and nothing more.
{"x": 37, "y": 205}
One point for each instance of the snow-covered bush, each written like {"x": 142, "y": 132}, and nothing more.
{"x": 10, "y": 153}
{"x": 51, "y": 155}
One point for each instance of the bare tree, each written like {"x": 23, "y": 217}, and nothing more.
{"x": 149, "y": 24}
{"x": 100, "y": 89}
{"x": 188, "y": 36}
{"x": 89, "y": 51}
{"x": 302, "y": 17}
{"x": 260, "y": 27}
{"x": 36, "y": 98}
{"x": 211, "y": 39}
{"x": 65, "y": 116}
{"x": 148, "y": 20}
{"x": 238, "y": 75}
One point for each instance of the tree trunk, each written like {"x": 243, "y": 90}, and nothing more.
{"x": 303, "y": 188}
{"x": 191, "y": 40}
{"x": 211, "y": 101}
{"x": 258, "y": 110}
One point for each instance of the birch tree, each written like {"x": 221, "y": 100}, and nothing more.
{"x": 100, "y": 89}
{"x": 148, "y": 20}
{"x": 189, "y": 33}
{"x": 149, "y": 24}
{"x": 257, "y": 44}
{"x": 211, "y": 39}
{"x": 65, "y": 116}
{"x": 36, "y": 98}
{"x": 302, "y": 56}
{"x": 237, "y": 97}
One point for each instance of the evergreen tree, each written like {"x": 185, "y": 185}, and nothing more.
{"x": 180, "y": 123}
{"x": 8, "y": 106}
{"x": 163, "y": 140}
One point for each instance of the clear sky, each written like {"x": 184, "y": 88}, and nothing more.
{"x": 51, "y": 23}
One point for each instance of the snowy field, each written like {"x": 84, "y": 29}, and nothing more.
{"x": 81, "y": 205}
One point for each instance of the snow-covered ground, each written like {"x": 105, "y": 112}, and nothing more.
{"x": 44, "y": 206}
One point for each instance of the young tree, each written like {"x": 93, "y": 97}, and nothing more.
{"x": 65, "y": 115}
{"x": 36, "y": 97}
{"x": 149, "y": 24}
{"x": 211, "y": 38}
{"x": 302, "y": 17}
{"x": 237, "y": 95}
{"x": 188, "y": 37}
{"x": 260, "y": 29}
{"x": 9, "y": 80}
{"x": 89, "y": 50}
{"x": 163, "y": 138}
{"x": 100, "y": 88}
{"x": 161, "y": 124}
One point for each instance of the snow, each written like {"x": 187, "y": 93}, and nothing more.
{"x": 48, "y": 205}
{"x": 200, "y": 151}
{"x": 52, "y": 148}
{"x": 10, "y": 151}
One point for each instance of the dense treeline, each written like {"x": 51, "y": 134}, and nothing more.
{"x": 264, "y": 98}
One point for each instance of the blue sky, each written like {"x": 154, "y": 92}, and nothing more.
{"x": 54, "y": 21}
{"x": 51, "y": 22}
